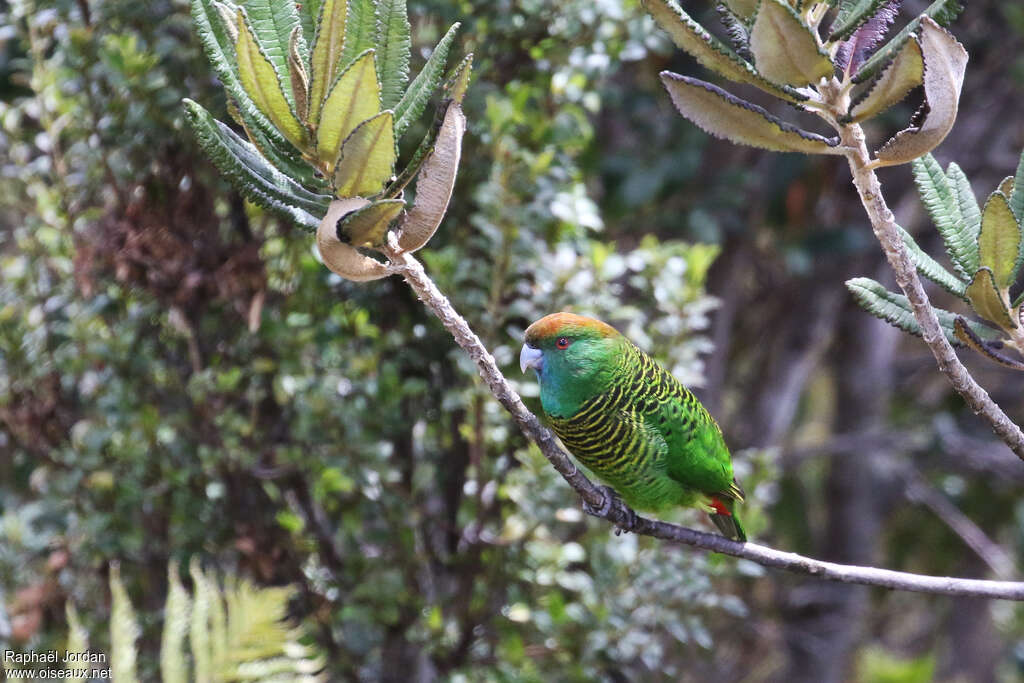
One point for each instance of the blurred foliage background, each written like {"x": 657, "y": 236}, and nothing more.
{"x": 180, "y": 377}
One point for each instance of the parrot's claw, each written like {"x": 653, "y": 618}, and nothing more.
{"x": 610, "y": 496}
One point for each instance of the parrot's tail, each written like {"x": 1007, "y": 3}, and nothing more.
{"x": 726, "y": 520}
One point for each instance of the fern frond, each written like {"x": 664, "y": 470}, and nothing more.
{"x": 173, "y": 665}
{"x": 124, "y": 631}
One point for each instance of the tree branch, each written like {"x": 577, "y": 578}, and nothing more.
{"x": 618, "y": 513}
{"x": 884, "y": 225}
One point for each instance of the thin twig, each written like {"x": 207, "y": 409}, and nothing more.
{"x": 619, "y": 514}
{"x": 887, "y": 232}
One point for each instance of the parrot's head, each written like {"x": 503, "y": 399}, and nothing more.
{"x": 570, "y": 351}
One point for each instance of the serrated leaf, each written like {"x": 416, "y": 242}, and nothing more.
{"x": 367, "y": 158}
{"x": 785, "y": 49}
{"x": 931, "y": 268}
{"x": 940, "y": 198}
{"x": 852, "y": 52}
{"x": 944, "y": 63}
{"x": 299, "y": 77}
{"x": 411, "y": 106}
{"x": 986, "y": 300}
{"x": 342, "y": 258}
{"x": 262, "y": 83}
{"x": 309, "y": 12}
{"x": 394, "y": 44}
{"x": 710, "y": 52}
{"x": 1006, "y": 187}
{"x": 199, "y": 624}
{"x": 456, "y": 84}
{"x": 368, "y": 226}
{"x": 742, "y": 8}
{"x": 281, "y": 154}
{"x": 967, "y": 336}
{"x": 736, "y": 29}
{"x": 970, "y": 213}
{"x": 360, "y": 29}
{"x": 942, "y": 11}
{"x": 726, "y": 116}
{"x": 999, "y": 241}
{"x": 852, "y": 15}
{"x": 434, "y": 183}
{"x": 905, "y": 73}
{"x": 219, "y": 43}
{"x": 251, "y": 174}
{"x": 354, "y": 98}
{"x": 273, "y": 22}
{"x": 227, "y": 13}
{"x": 325, "y": 60}
{"x": 1017, "y": 196}
{"x": 895, "y": 309}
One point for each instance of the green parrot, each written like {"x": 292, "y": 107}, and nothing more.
{"x": 630, "y": 421}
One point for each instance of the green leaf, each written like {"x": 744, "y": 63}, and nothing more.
{"x": 999, "y": 243}
{"x": 902, "y": 75}
{"x": 1017, "y": 197}
{"x": 262, "y": 83}
{"x": 986, "y": 300}
{"x": 1006, "y": 187}
{"x": 299, "y": 77}
{"x": 742, "y": 8}
{"x": 325, "y": 61}
{"x": 360, "y": 29}
{"x": 280, "y": 153}
{"x": 394, "y": 43}
{"x": 785, "y": 49}
{"x": 852, "y": 14}
{"x": 368, "y": 226}
{"x": 970, "y": 213}
{"x": 309, "y": 12}
{"x": 411, "y": 106}
{"x": 250, "y": 173}
{"x": 941, "y": 200}
{"x": 931, "y": 268}
{"x": 219, "y": 35}
{"x": 354, "y": 98}
{"x": 78, "y": 637}
{"x": 367, "y": 159}
{"x": 942, "y": 11}
{"x": 435, "y": 183}
{"x": 199, "y": 624}
{"x": 339, "y": 257}
{"x": 124, "y": 630}
{"x": 988, "y": 349}
{"x": 456, "y": 84}
{"x": 173, "y": 662}
{"x": 895, "y": 309}
{"x": 726, "y": 116}
{"x": 945, "y": 61}
{"x": 709, "y": 51}
{"x": 273, "y": 22}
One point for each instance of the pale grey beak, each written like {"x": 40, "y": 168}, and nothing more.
{"x": 530, "y": 357}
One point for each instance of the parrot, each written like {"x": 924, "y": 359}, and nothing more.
{"x": 629, "y": 421}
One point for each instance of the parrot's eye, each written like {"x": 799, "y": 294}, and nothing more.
{"x": 562, "y": 343}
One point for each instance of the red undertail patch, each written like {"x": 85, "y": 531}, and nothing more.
{"x": 720, "y": 508}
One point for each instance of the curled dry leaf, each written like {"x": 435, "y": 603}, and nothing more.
{"x": 988, "y": 349}
{"x": 945, "y": 61}
{"x": 340, "y": 257}
{"x": 434, "y": 183}
{"x": 903, "y": 74}
{"x": 726, "y": 116}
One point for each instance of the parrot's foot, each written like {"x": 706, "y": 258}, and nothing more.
{"x": 610, "y": 496}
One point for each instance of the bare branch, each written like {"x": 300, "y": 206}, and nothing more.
{"x": 624, "y": 518}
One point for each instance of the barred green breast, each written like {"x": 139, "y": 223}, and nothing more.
{"x": 630, "y": 421}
